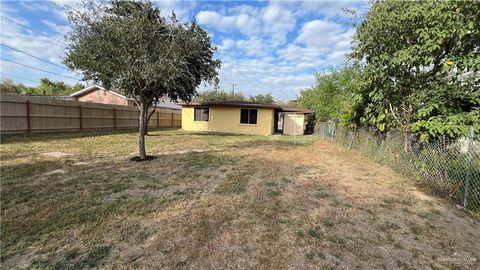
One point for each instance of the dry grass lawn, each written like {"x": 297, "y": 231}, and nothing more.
{"x": 73, "y": 201}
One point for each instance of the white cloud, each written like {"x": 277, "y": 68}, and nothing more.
{"x": 268, "y": 60}
{"x": 303, "y": 57}
{"x": 58, "y": 28}
{"x": 333, "y": 8}
{"x": 320, "y": 43}
{"x": 226, "y": 44}
{"x": 35, "y": 44}
{"x": 243, "y": 22}
{"x": 35, "y": 6}
{"x": 320, "y": 34}
{"x": 183, "y": 9}
{"x": 253, "y": 47}
{"x": 269, "y": 47}
{"x": 278, "y": 21}
{"x": 263, "y": 75}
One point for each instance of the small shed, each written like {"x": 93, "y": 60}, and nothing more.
{"x": 292, "y": 121}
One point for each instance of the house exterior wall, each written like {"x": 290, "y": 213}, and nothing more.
{"x": 105, "y": 97}
{"x": 227, "y": 120}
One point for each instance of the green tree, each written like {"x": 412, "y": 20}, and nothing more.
{"x": 413, "y": 53}
{"x": 262, "y": 99}
{"x": 45, "y": 87}
{"x": 8, "y": 85}
{"x": 217, "y": 94}
{"x": 48, "y": 87}
{"x": 128, "y": 45}
{"x": 330, "y": 98}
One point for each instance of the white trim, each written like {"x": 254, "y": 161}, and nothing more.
{"x": 115, "y": 93}
{"x": 93, "y": 87}
{"x": 86, "y": 90}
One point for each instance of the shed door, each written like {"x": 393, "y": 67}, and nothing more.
{"x": 293, "y": 124}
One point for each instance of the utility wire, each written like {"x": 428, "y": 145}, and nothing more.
{"x": 46, "y": 61}
{"x": 36, "y": 31}
{"x": 46, "y": 71}
{"x": 13, "y": 76}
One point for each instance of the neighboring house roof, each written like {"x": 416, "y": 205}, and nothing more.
{"x": 169, "y": 105}
{"x": 245, "y": 104}
{"x": 164, "y": 101}
{"x": 95, "y": 87}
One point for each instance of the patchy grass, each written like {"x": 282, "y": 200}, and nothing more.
{"x": 217, "y": 201}
{"x": 233, "y": 184}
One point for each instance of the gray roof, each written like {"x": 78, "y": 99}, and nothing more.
{"x": 245, "y": 104}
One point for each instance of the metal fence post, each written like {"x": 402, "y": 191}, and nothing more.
{"x": 468, "y": 174}
{"x": 333, "y": 131}
{"x": 323, "y": 130}
{"x": 350, "y": 136}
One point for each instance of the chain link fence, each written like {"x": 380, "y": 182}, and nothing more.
{"x": 450, "y": 167}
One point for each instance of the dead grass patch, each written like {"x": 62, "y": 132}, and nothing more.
{"x": 212, "y": 201}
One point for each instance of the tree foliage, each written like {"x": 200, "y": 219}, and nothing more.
{"x": 219, "y": 95}
{"x": 331, "y": 96}
{"x": 420, "y": 63}
{"x": 128, "y": 45}
{"x": 262, "y": 99}
{"x": 46, "y": 87}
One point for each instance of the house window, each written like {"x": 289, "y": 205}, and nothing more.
{"x": 248, "y": 116}
{"x": 202, "y": 114}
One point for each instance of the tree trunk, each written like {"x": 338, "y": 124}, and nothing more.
{"x": 149, "y": 115}
{"x": 141, "y": 133}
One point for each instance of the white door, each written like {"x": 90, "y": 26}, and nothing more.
{"x": 293, "y": 123}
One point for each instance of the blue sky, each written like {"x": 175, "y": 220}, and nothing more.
{"x": 265, "y": 46}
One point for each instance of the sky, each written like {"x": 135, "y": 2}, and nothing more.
{"x": 265, "y": 46}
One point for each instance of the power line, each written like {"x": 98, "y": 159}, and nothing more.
{"x": 46, "y": 71}
{"x": 14, "y": 76}
{"x": 46, "y": 61}
{"x": 36, "y": 31}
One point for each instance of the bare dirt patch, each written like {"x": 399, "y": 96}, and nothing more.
{"x": 56, "y": 154}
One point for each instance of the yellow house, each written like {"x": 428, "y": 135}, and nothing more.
{"x": 243, "y": 118}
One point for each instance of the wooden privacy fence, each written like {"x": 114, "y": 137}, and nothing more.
{"x": 24, "y": 114}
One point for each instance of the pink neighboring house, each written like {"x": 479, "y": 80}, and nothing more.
{"x": 98, "y": 94}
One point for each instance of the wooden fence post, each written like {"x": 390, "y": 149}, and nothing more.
{"x": 80, "y": 116}
{"x": 172, "y": 120}
{"x": 114, "y": 118}
{"x": 158, "y": 119}
{"x": 29, "y": 128}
